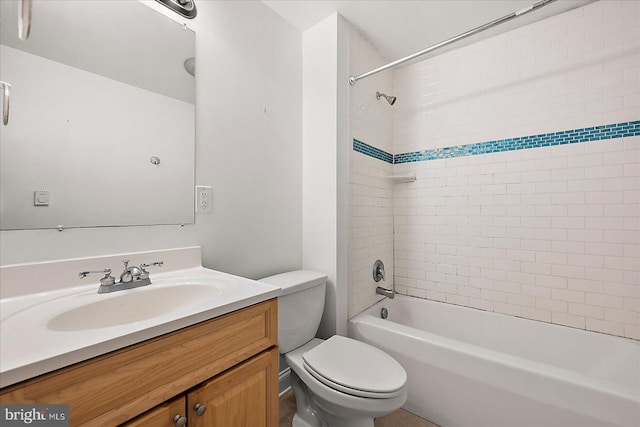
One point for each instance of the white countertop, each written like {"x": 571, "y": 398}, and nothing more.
{"x": 31, "y": 344}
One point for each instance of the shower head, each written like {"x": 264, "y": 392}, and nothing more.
{"x": 390, "y": 99}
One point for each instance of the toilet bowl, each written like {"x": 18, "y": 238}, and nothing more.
{"x": 338, "y": 382}
{"x": 354, "y": 398}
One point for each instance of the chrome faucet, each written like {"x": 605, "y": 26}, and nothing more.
{"x": 389, "y": 293}
{"x": 131, "y": 277}
{"x": 378, "y": 275}
{"x": 130, "y": 273}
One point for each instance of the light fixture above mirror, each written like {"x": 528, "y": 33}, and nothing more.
{"x": 186, "y": 8}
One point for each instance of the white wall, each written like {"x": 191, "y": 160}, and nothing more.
{"x": 325, "y": 164}
{"x": 248, "y": 147}
{"x": 249, "y": 117}
{"x": 549, "y": 233}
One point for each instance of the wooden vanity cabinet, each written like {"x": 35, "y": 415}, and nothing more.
{"x": 228, "y": 364}
{"x": 238, "y": 397}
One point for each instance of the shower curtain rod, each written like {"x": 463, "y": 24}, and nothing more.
{"x": 354, "y": 79}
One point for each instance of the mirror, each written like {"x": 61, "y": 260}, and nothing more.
{"x": 101, "y": 126}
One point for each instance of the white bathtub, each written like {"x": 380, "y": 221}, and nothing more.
{"x": 468, "y": 367}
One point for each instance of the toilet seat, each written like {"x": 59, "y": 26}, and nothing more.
{"x": 355, "y": 368}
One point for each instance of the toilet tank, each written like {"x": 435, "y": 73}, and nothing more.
{"x": 300, "y": 306}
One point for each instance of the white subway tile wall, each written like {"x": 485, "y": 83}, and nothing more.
{"x": 547, "y": 233}
{"x": 561, "y": 250}
{"x": 371, "y": 197}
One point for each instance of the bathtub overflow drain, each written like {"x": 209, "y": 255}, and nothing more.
{"x": 384, "y": 313}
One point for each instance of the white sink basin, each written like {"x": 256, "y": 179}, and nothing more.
{"x": 131, "y": 306}
{"x": 49, "y": 330}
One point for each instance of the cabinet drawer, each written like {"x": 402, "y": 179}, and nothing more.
{"x": 113, "y": 388}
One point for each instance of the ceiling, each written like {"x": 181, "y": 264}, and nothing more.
{"x": 398, "y": 28}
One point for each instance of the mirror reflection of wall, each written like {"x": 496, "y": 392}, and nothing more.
{"x": 102, "y": 116}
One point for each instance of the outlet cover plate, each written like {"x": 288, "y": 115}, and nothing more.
{"x": 204, "y": 198}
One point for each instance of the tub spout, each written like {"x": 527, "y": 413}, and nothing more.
{"x": 389, "y": 293}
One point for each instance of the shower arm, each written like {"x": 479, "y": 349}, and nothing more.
{"x": 354, "y": 79}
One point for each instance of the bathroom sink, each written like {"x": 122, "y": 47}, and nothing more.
{"x": 63, "y": 325}
{"x": 132, "y": 306}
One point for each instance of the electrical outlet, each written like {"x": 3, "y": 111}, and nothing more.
{"x": 204, "y": 198}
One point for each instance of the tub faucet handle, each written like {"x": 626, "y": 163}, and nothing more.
{"x": 378, "y": 271}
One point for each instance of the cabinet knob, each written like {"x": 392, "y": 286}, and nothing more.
{"x": 200, "y": 409}
{"x": 180, "y": 420}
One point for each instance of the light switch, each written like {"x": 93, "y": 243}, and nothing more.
{"x": 40, "y": 198}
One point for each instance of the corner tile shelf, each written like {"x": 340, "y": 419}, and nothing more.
{"x": 398, "y": 179}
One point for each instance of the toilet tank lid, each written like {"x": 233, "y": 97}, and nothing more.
{"x": 295, "y": 281}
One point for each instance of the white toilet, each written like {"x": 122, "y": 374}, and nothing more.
{"x": 339, "y": 382}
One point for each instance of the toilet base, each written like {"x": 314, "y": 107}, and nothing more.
{"x": 308, "y": 414}
{"x": 298, "y": 422}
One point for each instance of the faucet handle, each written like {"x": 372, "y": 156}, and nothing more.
{"x": 378, "y": 271}
{"x": 107, "y": 280}
{"x": 83, "y": 274}
{"x": 144, "y": 273}
{"x": 153, "y": 264}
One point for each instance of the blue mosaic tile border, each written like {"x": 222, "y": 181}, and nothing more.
{"x": 372, "y": 151}
{"x": 596, "y": 133}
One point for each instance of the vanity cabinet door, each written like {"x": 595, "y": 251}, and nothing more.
{"x": 170, "y": 414}
{"x": 245, "y": 396}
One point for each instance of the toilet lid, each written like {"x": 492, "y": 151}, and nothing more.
{"x": 356, "y": 368}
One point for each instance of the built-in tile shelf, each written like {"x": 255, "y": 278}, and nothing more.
{"x": 398, "y": 179}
